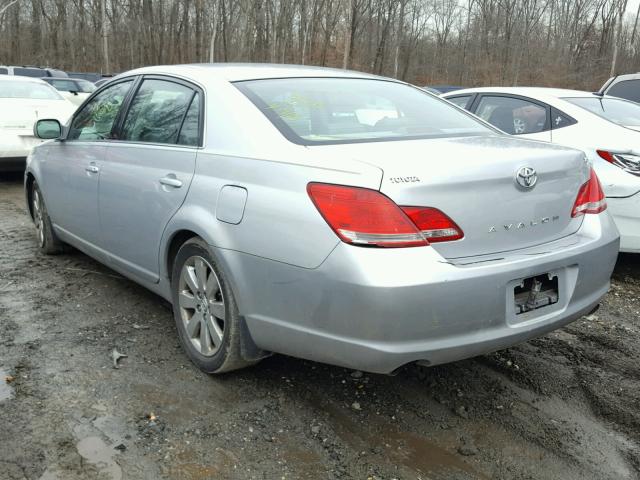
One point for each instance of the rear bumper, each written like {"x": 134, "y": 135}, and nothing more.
{"x": 626, "y": 214}
{"x": 16, "y": 146}
{"x": 377, "y": 309}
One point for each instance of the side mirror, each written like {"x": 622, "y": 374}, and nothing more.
{"x": 74, "y": 92}
{"x": 47, "y": 129}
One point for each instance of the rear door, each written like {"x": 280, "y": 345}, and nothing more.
{"x": 515, "y": 115}
{"x": 147, "y": 173}
{"x": 71, "y": 172}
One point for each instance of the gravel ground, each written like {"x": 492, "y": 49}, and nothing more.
{"x": 565, "y": 406}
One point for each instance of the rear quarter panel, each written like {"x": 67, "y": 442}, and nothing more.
{"x": 279, "y": 222}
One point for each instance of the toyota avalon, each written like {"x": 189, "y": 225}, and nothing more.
{"x": 324, "y": 214}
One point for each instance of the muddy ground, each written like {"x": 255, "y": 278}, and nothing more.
{"x": 565, "y": 406}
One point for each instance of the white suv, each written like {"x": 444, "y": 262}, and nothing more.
{"x": 34, "y": 72}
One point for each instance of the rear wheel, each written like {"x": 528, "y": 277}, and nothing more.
{"x": 205, "y": 311}
{"x": 47, "y": 240}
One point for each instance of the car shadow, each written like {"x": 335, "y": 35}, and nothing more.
{"x": 627, "y": 267}
{"x": 11, "y": 177}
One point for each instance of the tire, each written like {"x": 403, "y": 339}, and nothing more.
{"x": 48, "y": 242}
{"x": 206, "y": 304}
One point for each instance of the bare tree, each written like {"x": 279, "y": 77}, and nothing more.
{"x": 573, "y": 43}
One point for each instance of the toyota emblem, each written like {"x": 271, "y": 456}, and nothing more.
{"x": 526, "y": 177}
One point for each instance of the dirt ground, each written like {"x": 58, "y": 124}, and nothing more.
{"x": 565, "y": 406}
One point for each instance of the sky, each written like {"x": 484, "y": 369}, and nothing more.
{"x": 632, "y": 7}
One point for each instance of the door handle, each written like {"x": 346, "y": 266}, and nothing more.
{"x": 171, "y": 181}
{"x": 91, "y": 168}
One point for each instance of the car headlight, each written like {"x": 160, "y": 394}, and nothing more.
{"x": 626, "y": 161}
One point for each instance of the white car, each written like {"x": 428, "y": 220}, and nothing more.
{"x": 76, "y": 90}
{"x": 606, "y": 128}
{"x": 24, "y": 100}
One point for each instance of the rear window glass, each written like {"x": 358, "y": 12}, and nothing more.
{"x": 629, "y": 89}
{"x": 616, "y": 110}
{"x": 29, "y": 72}
{"x": 85, "y": 86}
{"x": 64, "y": 85}
{"x": 27, "y": 89}
{"x": 313, "y": 111}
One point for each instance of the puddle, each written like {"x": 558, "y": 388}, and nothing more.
{"x": 95, "y": 451}
{"x": 186, "y": 465}
{"x": 413, "y": 451}
{"x": 6, "y": 391}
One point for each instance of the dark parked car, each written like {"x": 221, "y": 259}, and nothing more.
{"x": 91, "y": 77}
{"x": 30, "y": 71}
{"x": 623, "y": 86}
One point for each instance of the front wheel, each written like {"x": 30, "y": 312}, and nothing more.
{"x": 205, "y": 311}
{"x": 47, "y": 240}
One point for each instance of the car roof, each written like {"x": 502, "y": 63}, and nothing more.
{"x": 617, "y": 79}
{"x": 69, "y": 79}
{"x": 530, "y": 91}
{"x": 9, "y": 78}
{"x": 234, "y": 72}
{"x": 627, "y": 76}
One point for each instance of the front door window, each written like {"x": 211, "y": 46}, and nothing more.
{"x": 96, "y": 119}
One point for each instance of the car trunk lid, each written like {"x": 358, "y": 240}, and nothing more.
{"x": 473, "y": 181}
{"x": 21, "y": 114}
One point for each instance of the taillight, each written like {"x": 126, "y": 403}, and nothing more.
{"x": 434, "y": 224}
{"x": 364, "y": 217}
{"x": 627, "y": 161}
{"x": 605, "y": 155}
{"x": 590, "y": 197}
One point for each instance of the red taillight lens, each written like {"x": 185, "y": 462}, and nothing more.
{"x": 434, "y": 224}
{"x": 590, "y": 197}
{"x": 605, "y": 155}
{"x": 364, "y": 217}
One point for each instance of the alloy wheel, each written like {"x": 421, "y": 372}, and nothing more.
{"x": 38, "y": 217}
{"x": 201, "y": 304}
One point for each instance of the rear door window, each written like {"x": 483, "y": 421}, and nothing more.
{"x": 157, "y": 112}
{"x": 4, "y": 71}
{"x": 190, "y": 131}
{"x": 514, "y": 116}
{"x": 629, "y": 89}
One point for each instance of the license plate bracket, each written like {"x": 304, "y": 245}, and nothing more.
{"x": 536, "y": 292}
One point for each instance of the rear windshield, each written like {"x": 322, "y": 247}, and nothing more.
{"x": 29, "y": 72}
{"x": 86, "y": 86}
{"x": 312, "y": 111}
{"x": 616, "y": 110}
{"x": 17, "y": 89}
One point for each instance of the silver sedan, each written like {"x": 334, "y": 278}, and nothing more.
{"x": 325, "y": 214}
